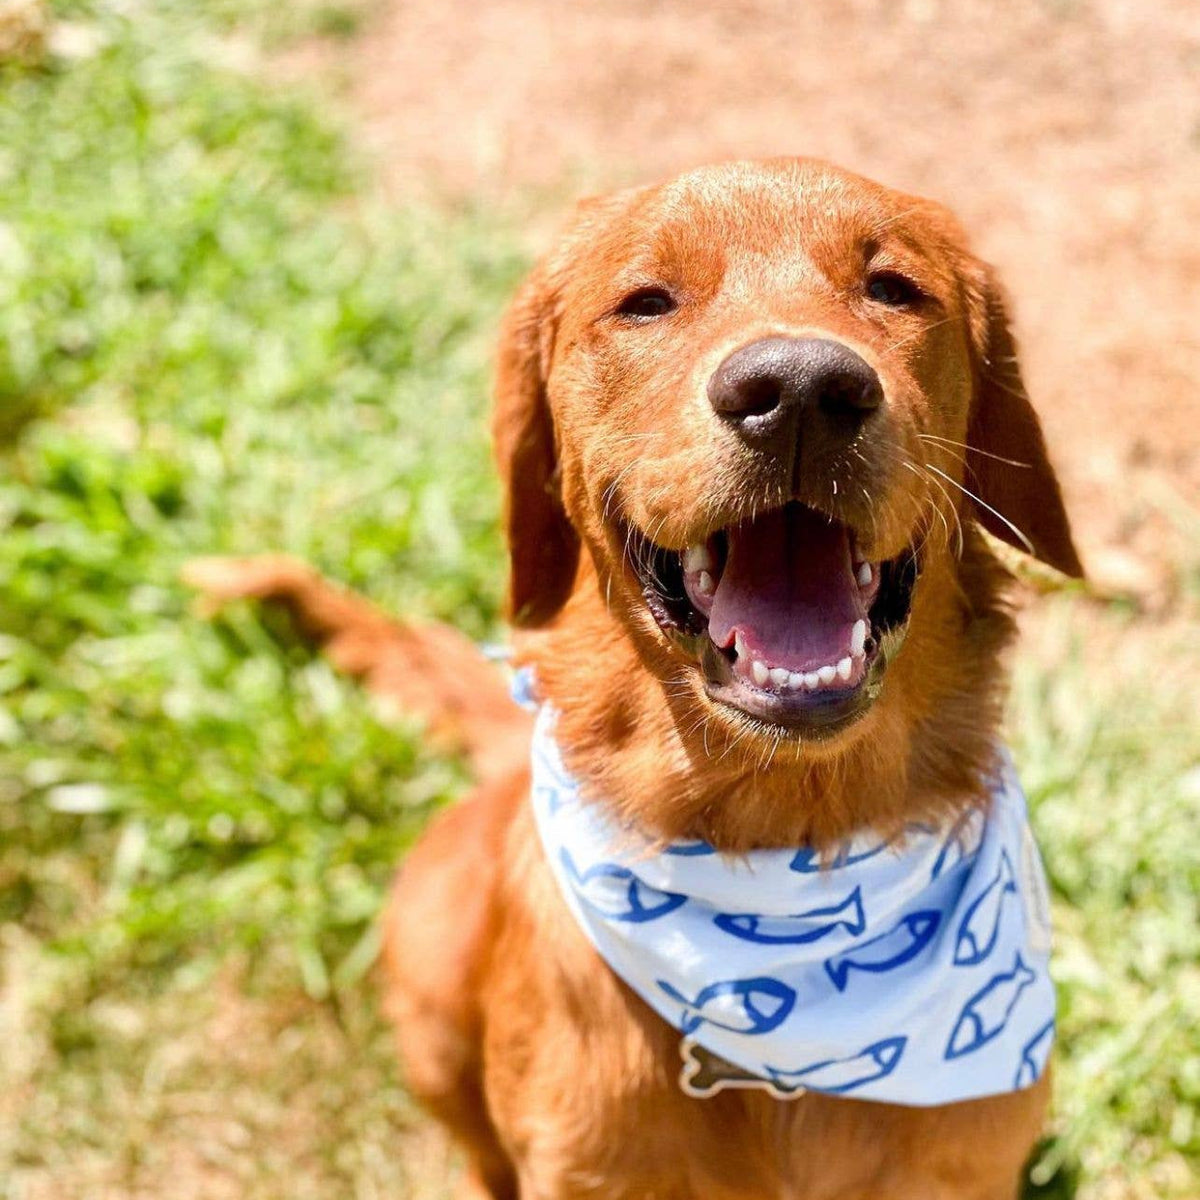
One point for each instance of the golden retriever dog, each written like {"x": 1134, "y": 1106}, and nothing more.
{"x": 750, "y": 424}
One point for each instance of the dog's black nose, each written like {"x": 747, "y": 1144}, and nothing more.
{"x": 775, "y": 389}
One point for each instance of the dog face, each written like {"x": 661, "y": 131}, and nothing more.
{"x": 762, "y": 399}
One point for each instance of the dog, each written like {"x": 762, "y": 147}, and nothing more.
{"x": 755, "y": 427}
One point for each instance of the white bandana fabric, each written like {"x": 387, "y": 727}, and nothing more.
{"x": 912, "y": 972}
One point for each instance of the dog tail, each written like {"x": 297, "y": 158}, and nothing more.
{"x": 429, "y": 670}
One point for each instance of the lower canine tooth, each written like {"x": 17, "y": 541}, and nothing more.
{"x": 704, "y": 585}
{"x": 761, "y": 672}
{"x": 827, "y": 674}
{"x": 858, "y": 637}
{"x": 844, "y": 667}
{"x": 864, "y": 575}
{"x": 697, "y": 558}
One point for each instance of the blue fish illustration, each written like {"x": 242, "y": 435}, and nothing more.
{"x": 1033, "y": 1056}
{"x": 798, "y": 929}
{"x": 618, "y": 893}
{"x": 693, "y": 849}
{"x": 522, "y": 687}
{"x": 553, "y": 786}
{"x": 808, "y": 860}
{"x": 980, "y": 925}
{"x": 986, "y": 1013}
{"x": 740, "y": 1005}
{"x": 549, "y": 796}
{"x": 903, "y": 942}
{"x": 957, "y": 846}
{"x": 927, "y": 828}
{"x": 840, "y": 1075}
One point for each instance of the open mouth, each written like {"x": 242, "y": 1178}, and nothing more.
{"x": 788, "y": 622}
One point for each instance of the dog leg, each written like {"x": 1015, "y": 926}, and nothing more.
{"x": 439, "y": 932}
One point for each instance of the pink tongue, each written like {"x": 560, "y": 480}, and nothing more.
{"x": 788, "y": 588}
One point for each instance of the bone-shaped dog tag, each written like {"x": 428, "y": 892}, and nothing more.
{"x": 704, "y": 1074}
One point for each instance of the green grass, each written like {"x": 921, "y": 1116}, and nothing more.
{"x": 1104, "y": 728}
{"x": 209, "y": 344}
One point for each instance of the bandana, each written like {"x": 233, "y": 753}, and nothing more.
{"x": 911, "y": 971}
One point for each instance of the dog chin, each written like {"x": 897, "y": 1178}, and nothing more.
{"x": 787, "y": 623}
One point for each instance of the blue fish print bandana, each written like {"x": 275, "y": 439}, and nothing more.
{"x": 912, "y": 972}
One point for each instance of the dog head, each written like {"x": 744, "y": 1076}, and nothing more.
{"x": 755, "y": 410}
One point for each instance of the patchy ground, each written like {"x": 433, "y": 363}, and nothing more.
{"x": 1066, "y": 133}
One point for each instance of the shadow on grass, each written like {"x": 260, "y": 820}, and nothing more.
{"x": 1061, "y": 1182}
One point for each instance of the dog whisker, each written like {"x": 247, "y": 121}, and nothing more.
{"x": 1012, "y": 462}
{"x": 953, "y": 509}
{"x": 1020, "y": 533}
{"x": 919, "y": 333}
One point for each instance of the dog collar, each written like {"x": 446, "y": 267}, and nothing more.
{"x": 911, "y": 971}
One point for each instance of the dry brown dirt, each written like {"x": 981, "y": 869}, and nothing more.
{"x": 1066, "y": 134}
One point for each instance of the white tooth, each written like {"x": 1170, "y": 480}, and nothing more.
{"x": 704, "y": 585}
{"x": 827, "y": 674}
{"x": 697, "y": 558}
{"x": 812, "y": 680}
{"x": 864, "y": 575}
{"x": 739, "y": 645}
{"x": 761, "y": 672}
{"x": 858, "y": 637}
{"x": 844, "y": 667}
{"x": 779, "y": 676}
{"x": 795, "y": 681}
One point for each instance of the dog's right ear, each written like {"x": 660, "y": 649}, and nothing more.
{"x": 543, "y": 546}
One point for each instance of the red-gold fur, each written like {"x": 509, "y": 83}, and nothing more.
{"x": 559, "y": 1081}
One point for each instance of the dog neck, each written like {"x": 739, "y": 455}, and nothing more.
{"x": 642, "y": 741}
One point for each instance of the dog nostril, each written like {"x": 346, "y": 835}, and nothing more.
{"x": 851, "y": 392}
{"x": 735, "y": 392}
{"x": 755, "y": 398}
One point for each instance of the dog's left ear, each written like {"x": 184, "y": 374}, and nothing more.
{"x": 1008, "y": 469}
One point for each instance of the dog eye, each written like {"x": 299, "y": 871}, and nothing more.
{"x": 647, "y": 303}
{"x": 894, "y": 290}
